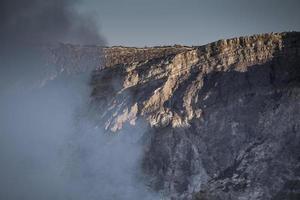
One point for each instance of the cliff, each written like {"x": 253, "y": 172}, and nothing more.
{"x": 222, "y": 119}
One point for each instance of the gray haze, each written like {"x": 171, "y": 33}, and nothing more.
{"x": 32, "y": 22}
{"x": 49, "y": 148}
{"x": 190, "y": 22}
{"x": 28, "y": 24}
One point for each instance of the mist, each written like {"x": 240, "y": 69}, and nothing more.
{"x": 49, "y": 148}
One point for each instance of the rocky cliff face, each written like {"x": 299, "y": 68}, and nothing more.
{"x": 223, "y": 119}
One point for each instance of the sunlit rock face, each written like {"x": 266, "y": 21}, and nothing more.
{"x": 223, "y": 119}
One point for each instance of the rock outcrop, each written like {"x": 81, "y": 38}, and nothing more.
{"x": 223, "y": 119}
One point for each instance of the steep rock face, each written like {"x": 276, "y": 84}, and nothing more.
{"x": 224, "y": 118}
{"x": 166, "y": 88}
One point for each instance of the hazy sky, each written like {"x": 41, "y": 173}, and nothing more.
{"x": 190, "y": 22}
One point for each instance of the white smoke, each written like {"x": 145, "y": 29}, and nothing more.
{"x": 49, "y": 149}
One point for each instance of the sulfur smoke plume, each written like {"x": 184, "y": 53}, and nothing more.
{"x": 48, "y": 147}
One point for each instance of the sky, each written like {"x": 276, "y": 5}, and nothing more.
{"x": 189, "y": 22}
